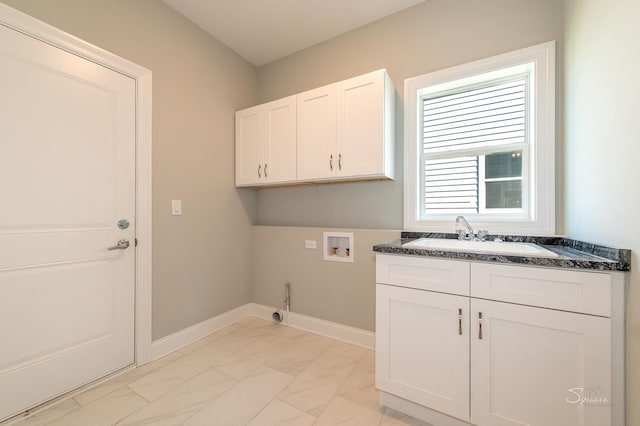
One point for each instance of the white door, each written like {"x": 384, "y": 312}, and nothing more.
{"x": 533, "y": 366}
{"x": 317, "y": 157}
{"x": 280, "y": 140}
{"x": 248, "y": 166}
{"x": 422, "y": 348}
{"x": 67, "y": 163}
{"x": 360, "y": 125}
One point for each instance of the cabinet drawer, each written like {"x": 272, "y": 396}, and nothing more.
{"x": 574, "y": 291}
{"x": 445, "y": 276}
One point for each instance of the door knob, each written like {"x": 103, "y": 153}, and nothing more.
{"x": 122, "y": 245}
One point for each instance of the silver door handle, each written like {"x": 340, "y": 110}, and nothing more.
{"x": 122, "y": 245}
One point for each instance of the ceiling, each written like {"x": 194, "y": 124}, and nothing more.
{"x": 262, "y": 31}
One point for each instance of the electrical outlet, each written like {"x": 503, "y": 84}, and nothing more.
{"x": 310, "y": 244}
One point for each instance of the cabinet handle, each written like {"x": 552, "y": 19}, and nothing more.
{"x": 331, "y": 162}
{"x": 460, "y": 322}
{"x": 480, "y": 325}
{"x": 259, "y": 169}
{"x": 339, "y": 161}
{"x": 265, "y": 170}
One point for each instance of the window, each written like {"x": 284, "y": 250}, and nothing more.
{"x": 480, "y": 142}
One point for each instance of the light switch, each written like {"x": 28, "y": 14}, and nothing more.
{"x": 310, "y": 244}
{"x": 176, "y": 207}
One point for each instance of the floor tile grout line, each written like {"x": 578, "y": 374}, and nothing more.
{"x": 190, "y": 380}
{"x": 229, "y": 389}
{"x": 355, "y": 363}
{"x": 126, "y": 384}
{"x": 141, "y": 396}
{"x": 269, "y": 402}
{"x": 325, "y": 408}
{"x": 186, "y": 381}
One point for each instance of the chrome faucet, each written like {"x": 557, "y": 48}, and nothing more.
{"x": 464, "y": 230}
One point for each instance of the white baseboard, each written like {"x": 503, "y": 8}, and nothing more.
{"x": 355, "y": 336}
{"x": 175, "y": 341}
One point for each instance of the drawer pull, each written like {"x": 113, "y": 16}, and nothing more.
{"x": 259, "y": 169}
{"x": 460, "y": 322}
{"x": 480, "y": 325}
{"x": 331, "y": 162}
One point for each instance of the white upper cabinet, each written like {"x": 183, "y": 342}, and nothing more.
{"x": 342, "y": 131}
{"x": 266, "y": 143}
{"x": 345, "y": 130}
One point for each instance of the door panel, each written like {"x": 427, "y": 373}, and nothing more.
{"x": 361, "y": 125}
{"x": 248, "y": 145}
{"x": 317, "y": 158}
{"x": 280, "y": 143}
{"x": 528, "y": 361}
{"x": 69, "y": 323}
{"x": 67, "y": 160}
{"x": 422, "y": 348}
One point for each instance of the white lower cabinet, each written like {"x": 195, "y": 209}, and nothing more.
{"x": 422, "y": 347}
{"x": 490, "y": 363}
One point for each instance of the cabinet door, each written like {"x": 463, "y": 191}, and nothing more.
{"x": 279, "y": 130}
{"x": 422, "y": 348}
{"x": 247, "y": 146}
{"x": 317, "y": 158}
{"x": 532, "y": 364}
{"x": 361, "y": 125}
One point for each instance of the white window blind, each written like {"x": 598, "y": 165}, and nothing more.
{"x": 479, "y": 118}
{"x": 451, "y": 185}
{"x": 471, "y": 121}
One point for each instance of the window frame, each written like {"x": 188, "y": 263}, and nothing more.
{"x": 539, "y": 217}
{"x": 482, "y": 196}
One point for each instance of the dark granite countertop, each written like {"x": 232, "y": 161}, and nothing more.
{"x": 571, "y": 253}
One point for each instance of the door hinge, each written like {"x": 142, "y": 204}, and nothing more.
{"x": 135, "y": 244}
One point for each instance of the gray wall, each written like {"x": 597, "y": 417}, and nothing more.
{"x": 201, "y": 259}
{"x": 334, "y": 291}
{"x": 428, "y": 37}
{"x": 602, "y": 145}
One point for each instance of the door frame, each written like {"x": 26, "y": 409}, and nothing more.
{"x": 35, "y": 28}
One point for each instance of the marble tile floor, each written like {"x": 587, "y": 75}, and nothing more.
{"x": 253, "y": 372}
